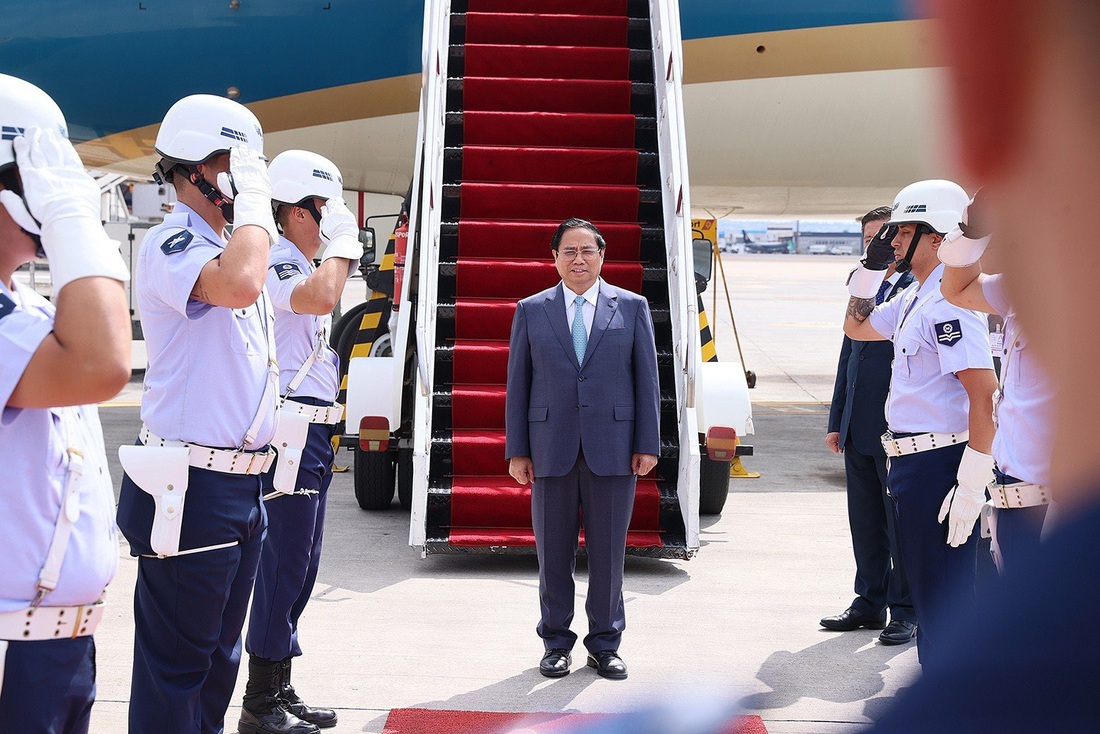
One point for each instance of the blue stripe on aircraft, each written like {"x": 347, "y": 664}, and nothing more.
{"x": 113, "y": 66}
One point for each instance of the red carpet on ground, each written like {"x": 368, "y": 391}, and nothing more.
{"x": 430, "y": 721}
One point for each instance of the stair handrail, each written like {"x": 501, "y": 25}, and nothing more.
{"x": 426, "y": 216}
{"x": 668, "y": 65}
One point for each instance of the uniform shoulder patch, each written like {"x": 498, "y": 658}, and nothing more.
{"x": 949, "y": 332}
{"x": 177, "y": 242}
{"x": 286, "y": 270}
{"x": 6, "y": 305}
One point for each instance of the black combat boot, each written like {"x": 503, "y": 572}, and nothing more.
{"x": 323, "y": 718}
{"x": 263, "y": 712}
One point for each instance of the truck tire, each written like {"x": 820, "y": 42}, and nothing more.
{"x": 714, "y": 485}
{"x": 405, "y": 478}
{"x": 374, "y": 475}
{"x": 345, "y": 322}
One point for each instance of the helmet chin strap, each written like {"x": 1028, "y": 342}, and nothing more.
{"x": 18, "y": 209}
{"x": 211, "y": 192}
{"x": 905, "y": 264}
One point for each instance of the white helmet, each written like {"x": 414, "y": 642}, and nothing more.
{"x": 936, "y": 203}
{"x": 202, "y": 125}
{"x": 297, "y": 175}
{"x": 24, "y": 105}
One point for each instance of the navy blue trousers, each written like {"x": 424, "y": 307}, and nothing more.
{"x": 556, "y": 506}
{"x": 937, "y": 572}
{"x": 880, "y": 571}
{"x": 48, "y": 686}
{"x": 291, "y": 552}
{"x": 189, "y": 610}
{"x": 1017, "y": 530}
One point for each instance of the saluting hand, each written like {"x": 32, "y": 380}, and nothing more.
{"x": 642, "y": 464}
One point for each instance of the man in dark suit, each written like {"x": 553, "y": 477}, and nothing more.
{"x": 582, "y": 424}
{"x": 857, "y": 420}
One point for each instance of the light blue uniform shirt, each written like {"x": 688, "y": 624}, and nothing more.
{"x": 207, "y": 364}
{"x": 34, "y": 446}
{"x": 933, "y": 341}
{"x": 1024, "y": 441}
{"x": 296, "y": 335}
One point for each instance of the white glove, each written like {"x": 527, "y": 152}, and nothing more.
{"x": 963, "y": 246}
{"x": 62, "y": 203}
{"x": 963, "y": 504}
{"x": 865, "y": 283}
{"x": 340, "y": 233}
{"x": 250, "y": 188}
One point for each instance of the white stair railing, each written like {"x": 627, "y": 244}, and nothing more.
{"x": 424, "y": 225}
{"x": 668, "y": 64}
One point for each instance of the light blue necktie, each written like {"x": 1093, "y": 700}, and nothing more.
{"x": 580, "y": 336}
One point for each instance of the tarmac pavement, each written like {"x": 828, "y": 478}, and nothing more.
{"x": 387, "y": 628}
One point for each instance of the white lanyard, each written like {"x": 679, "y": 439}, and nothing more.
{"x": 271, "y": 387}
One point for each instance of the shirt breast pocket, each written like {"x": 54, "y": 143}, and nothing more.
{"x": 1022, "y": 368}
{"x": 245, "y": 327}
{"x": 909, "y": 360}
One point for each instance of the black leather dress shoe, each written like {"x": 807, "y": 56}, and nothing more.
{"x": 555, "y": 663}
{"x": 898, "y": 632}
{"x": 608, "y": 664}
{"x": 850, "y": 619}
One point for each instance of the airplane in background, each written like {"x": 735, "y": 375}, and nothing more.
{"x": 807, "y": 108}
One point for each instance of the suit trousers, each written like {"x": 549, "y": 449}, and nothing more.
{"x": 937, "y": 572}
{"x": 880, "y": 572}
{"x": 606, "y": 504}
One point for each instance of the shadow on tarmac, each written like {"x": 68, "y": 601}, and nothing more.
{"x": 528, "y": 691}
{"x": 845, "y": 668}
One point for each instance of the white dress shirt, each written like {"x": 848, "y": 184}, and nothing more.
{"x": 588, "y": 308}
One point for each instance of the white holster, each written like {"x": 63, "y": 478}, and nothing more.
{"x": 291, "y": 432}
{"x": 161, "y": 472}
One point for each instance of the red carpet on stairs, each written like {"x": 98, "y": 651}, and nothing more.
{"x": 549, "y": 128}
{"x": 547, "y": 132}
{"x": 546, "y": 30}
{"x": 548, "y": 62}
{"x": 433, "y": 721}
{"x": 531, "y": 240}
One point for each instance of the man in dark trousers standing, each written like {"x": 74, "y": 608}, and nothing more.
{"x": 582, "y": 425}
{"x": 857, "y": 420}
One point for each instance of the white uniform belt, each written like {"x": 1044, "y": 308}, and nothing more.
{"x": 229, "y": 461}
{"x": 1018, "y": 494}
{"x": 327, "y": 414}
{"x": 50, "y": 623}
{"x": 900, "y": 446}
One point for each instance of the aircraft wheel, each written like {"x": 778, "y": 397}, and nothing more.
{"x": 374, "y": 479}
{"x": 714, "y": 485}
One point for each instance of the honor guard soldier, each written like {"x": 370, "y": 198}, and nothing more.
{"x": 191, "y": 504}
{"x": 1020, "y": 492}
{"x": 939, "y": 412}
{"x": 307, "y": 192}
{"x": 57, "y": 534}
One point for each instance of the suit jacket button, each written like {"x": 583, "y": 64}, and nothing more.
{"x": 581, "y": 378}
{"x": 861, "y": 358}
{"x": 576, "y": 407}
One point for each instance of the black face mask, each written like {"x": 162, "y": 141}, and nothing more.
{"x": 310, "y": 205}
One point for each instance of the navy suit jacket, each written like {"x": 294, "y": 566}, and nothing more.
{"x": 609, "y": 403}
{"x": 862, "y": 384}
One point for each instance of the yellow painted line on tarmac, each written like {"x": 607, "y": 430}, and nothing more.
{"x": 121, "y": 404}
